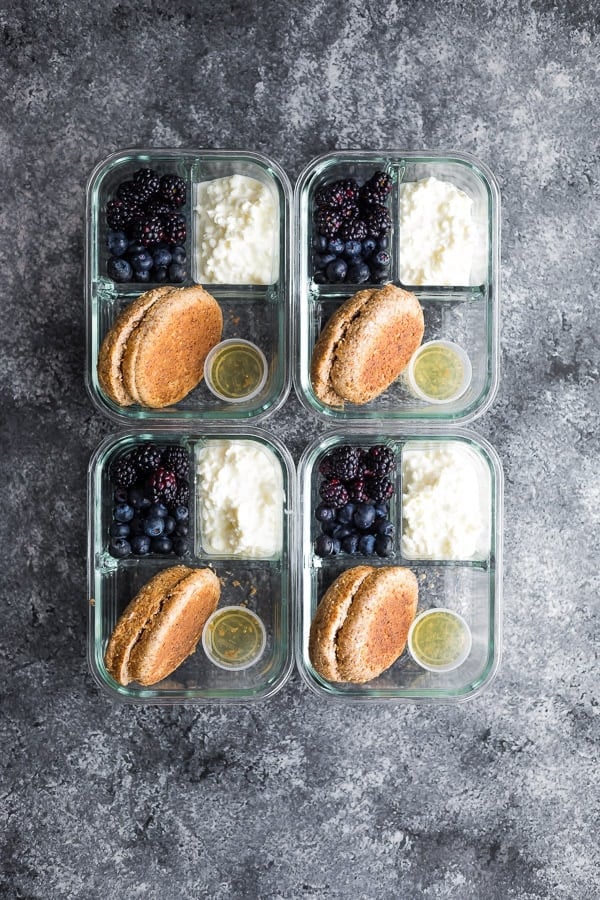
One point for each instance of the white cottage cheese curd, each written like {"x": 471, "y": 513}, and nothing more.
{"x": 441, "y": 509}
{"x": 240, "y": 497}
{"x": 437, "y": 233}
{"x": 236, "y": 226}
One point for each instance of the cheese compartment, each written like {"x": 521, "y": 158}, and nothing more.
{"x": 467, "y": 314}
{"x": 263, "y": 586}
{"x": 470, "y": 587}
{"x": 258, "y": 313}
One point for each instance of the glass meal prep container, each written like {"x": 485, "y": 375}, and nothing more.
{"x": 256, "y": 312}
{"x": 470, "y": 587}
{"x": 262, "y": 585}
{"x": 467, "y": 314}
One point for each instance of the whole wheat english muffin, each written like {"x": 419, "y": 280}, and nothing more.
{"x": 361, "y": 624}
{"x": 154, "y": 353}
{"x": 162, "y": 625}
{"x": 365, "y": 345}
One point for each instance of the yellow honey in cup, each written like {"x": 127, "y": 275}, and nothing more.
{"x": 439, "y": 640}
{"x": 234, "y": 637}
{"x": 235, "y": 370}
{"x": 440, "y": 371}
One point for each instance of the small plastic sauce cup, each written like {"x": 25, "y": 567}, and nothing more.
{"x": 439, "y": 640}
{"x": 439, "y": 372}
{"x": 234, "y": 638}
{"x": 235, "y": 370}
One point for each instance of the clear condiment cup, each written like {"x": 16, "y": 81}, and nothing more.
{"x": 248, "y": 656}
{"x": 462, "y": 638}
{"x": 456, "y": 354}
{"x": 214, "y": 361}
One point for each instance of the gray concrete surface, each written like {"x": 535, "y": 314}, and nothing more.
{"x": 496, "y": 799}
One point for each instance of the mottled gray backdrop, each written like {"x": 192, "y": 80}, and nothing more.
{"x": 295, "y": 798}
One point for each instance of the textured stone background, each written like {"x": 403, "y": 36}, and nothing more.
{"x": 295, "y": 798}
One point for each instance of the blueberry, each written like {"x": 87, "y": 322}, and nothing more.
{"x": 136, "y": 526}
{"x": 119, "y": 269}
{"x": 158, "y": 509}
{"x": 320, "y": 278}
{"x": 180, "y": 546}
{"x": 366, "y": 545}
{"x": 336, "y": 271}
{"x": 170, "y": 525}
{"x": 141, "y": 261}
{"x": 319, "y": 243}
{"x": 181, "y": 529}
{"x": 350, "y": 543}
{"x": 384, "y": 545}
{"x": 124, "y": 512}
{"x": 327, "y": 528}
{"x": 364, "y": 516}
{"x": 153, "y": 526}
{"x": 384, "y": 526}
{"x": 140, "y": 544}
{"x": 352, "y": 248}
{"x": 384, "y": 242}
{"x": 345, "y": 514}
{"x": 380, "y": 276}
{"x": 161, "y": 544}
{"x": 176, "y": 273}
{"x": 340, "y": 532}
{"x": 358, "y": 274}
{"x": 116, "y": 242}
{"x": 158, "y": 274}
{"x": 142, "y": 277}
{"x": 325, "y": 513}
{"x": 381, "y": 259}
{"x": 119, "y": 530}
{"x": 135, "y": 247}
{"x": 119, "y": 548}
{"x": 137, "y": 498}
{"x": 120, "y": 495}
{"x": 181, "y": 513}
{"x": 381, "y": 510}
{"x": 335, "y": 246}
{"x": 178, "y": 254}
{"x": 323, "y": 259}
{"x": 326, "y": 546}
{"x": 162, "y": 258}
{"x": 368, "y": 246}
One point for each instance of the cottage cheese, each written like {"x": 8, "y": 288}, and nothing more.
{"x": 240, "y": 499}
{"x": 437, "y": 233}
{"x": 236, "y": 221}
{"x": 441, "y": 505}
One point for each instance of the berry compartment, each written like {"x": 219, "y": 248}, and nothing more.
{"x": 470, "y": 587}
{"x": 258, "y": 313}
{"x": 467, "y": 314}
{"x": 264, "y": 586}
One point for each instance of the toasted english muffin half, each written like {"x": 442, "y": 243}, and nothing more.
{"x": 365, "y": 345}
{"x": 164, "y": 358}
{"x": 110, "y": 356}
{"x": 362, "y": 622}
{"x": 162, "y": 625}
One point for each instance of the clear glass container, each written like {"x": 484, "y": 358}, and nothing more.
{"x": 466, "y": 314}
{"x": 259, "y": 313}
{"x": 264, "y": 586}
{"x": 472, "y": 588}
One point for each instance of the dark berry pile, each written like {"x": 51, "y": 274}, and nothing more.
{"x": 147, "y": 232}
{"x": 352, "y": 225}
{"x": 355, "y": 491}
{"x": 151, "y": 502}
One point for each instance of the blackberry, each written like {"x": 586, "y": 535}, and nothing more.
{"x": 162, "y": 485}
{"x": 357, "y": 491}
{"x": 147, "y": 182}
{"x": 174, "y": 229}
{"x": 146, "y": 459}
{"x": 382, "y": 181}
{"x": 148, "y": 230}
{"x": 119, "y": 213}
{"x": 348, "y": 210}
{"x": 130, "y": 193}
{"x": 353, "y": 230}
{"x": 378, "y": 489}
{"x": 123, "y": 472}
{"x": 334, "y": 493}
{"x": 381, "y": 460}
{"x": 335, "y": 193}
{"x": 172, "y": 189}
{"x": 376, "y": 189}
{"x": 325, "y": 467}
{"x": 328, "y": 221}
{"x": 378, "y": 221}
{"x": 182, "y": 494}
{"x": 156, "y": 206}
{"x": 345, "y": 462}
{"x": 177, "y": 460}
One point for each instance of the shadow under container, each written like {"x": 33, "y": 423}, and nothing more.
{"x": 259, "y": 313}
{"x": 471, "y": 587}
{"x": 263, "y": 585}
{"x": 466, "y": 314}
